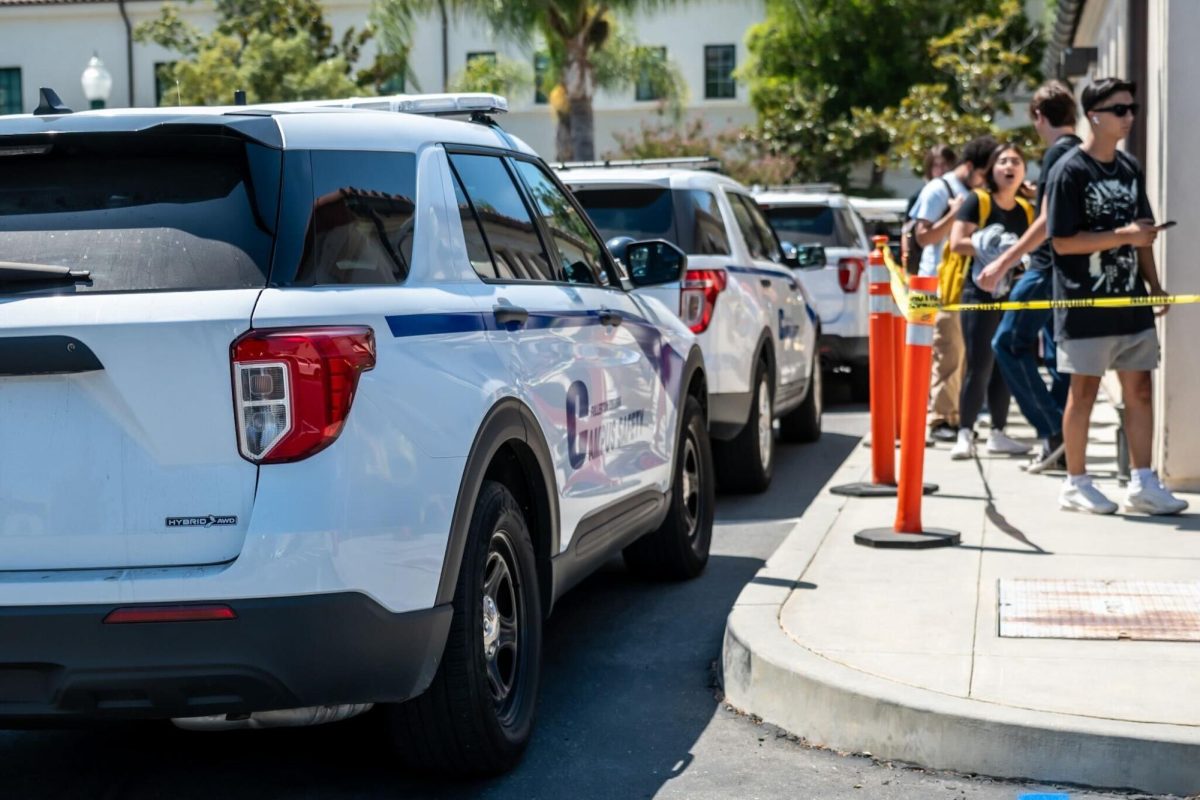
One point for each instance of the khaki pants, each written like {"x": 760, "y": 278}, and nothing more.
{"x": 948, "y": 361}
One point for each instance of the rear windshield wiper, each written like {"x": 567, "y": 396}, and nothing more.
{"x": 12, "y": 271}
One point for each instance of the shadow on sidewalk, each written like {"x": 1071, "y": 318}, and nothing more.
{"x": 1001, "y": 522}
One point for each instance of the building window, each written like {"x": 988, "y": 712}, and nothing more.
{"x": 489, "y": 55}
{"x": 647, "y": 88}
{"x": 541, "y": 66}
{"x": 10, "y": 90}
{"x": 719, "y": 63}
{"x": 164, "y": 84}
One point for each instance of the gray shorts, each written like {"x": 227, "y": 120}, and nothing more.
{"x": 1131, "y": 352}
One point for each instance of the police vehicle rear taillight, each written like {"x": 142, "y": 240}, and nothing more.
{"x": 293, "y": 387}
{"x": 698, "y": 297}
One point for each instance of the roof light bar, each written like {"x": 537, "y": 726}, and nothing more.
{"x": 434, "y": 105}
{"x": 688, "y": 162}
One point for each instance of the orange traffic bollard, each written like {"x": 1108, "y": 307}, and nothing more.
{"x": 899, "y": 330}
{"x": 884, "y": 371}
{"x": 918, "y": 364}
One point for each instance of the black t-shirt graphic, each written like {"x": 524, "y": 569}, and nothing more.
{"x": 1086, "y": 195}
{"x": 1042, "y": 257}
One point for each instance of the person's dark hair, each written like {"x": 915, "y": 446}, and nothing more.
{"x": 942, "y": 151}
{"x": 978, "y": 151}
{"x": 1103, "y": 88}
{"x": 1054, "y": 101}
{"x": 1000, "y": 150}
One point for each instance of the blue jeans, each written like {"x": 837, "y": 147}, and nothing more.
{"x": 1015, "y": 345}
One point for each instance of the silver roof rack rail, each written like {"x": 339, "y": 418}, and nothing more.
{"x": 687, "y": 162}
{"x": 815, "y": 188}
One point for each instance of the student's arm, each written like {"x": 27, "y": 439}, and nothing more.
{"x": 933, "y": 232}
{"x": 1149, "y": 272}
{"x": 1139, "y": 233}
{"x": 989, "y": 278}
{"x": 960, "y": 237}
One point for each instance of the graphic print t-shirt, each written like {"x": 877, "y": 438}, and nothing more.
{"x": 1043, "y": 256}
{"x": 1086, "y": 195}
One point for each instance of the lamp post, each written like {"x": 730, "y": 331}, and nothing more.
{"x": 97, "y": 82}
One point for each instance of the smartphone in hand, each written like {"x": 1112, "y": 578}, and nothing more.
{"x": 1162, "y": 226}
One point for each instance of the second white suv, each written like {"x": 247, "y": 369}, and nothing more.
{"x": 755, "y": 323}
{"x": 806, "y": 215}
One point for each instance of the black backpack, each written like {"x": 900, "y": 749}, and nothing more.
{"x": 910, "y": 250}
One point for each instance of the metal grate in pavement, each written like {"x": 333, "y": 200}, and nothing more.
{"x": 1149, "y": 611}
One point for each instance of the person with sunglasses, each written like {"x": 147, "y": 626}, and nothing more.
{"x": 1101, "y": 230}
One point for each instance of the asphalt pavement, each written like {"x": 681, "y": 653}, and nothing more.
{"x": 631, "y": 705}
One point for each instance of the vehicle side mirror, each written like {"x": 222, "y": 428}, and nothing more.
{"x": 791, "y": 256}
{"x": 654, "y": 262}
{"x": 809, "y": 256}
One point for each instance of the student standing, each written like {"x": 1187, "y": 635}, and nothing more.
{"x": 988, "y": 223}
{"x": 1016, "y": 339}
{"x": 1101, "y": 229}
{"x": 934, "y": 213}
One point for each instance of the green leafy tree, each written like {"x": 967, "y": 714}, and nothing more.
{"x": 837, "y": 82}
{"x": 276, "y": 50}
{"x": 587, "y": 52}
{"x": 499, "y": 76}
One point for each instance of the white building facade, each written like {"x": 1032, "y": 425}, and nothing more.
{"x": 1152, "y": 42}
{"x": 49, "y": 42}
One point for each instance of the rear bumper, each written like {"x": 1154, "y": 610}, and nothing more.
{"x": 843, "y": 351}
{"x": 62, "y": 664}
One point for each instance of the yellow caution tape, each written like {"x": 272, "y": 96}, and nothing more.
{"x": 922, "y": 308}
{"x": 1086, "y": 302}
{"x": 905, "y": 300}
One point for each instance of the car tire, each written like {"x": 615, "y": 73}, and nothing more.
{"x": 803, "y": 423}
{"x": 746, "y": 463}
{"x": 678, "y": 550}
{"x": 477, "y": 715}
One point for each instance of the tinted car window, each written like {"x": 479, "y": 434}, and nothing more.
{"x": 643, "y": 213}
{"x": 707, "y": 236}
{"x": 477, "y": 249}
{"x": 507, "y": 224}
{"x": 816, "y": 224}
{"x": 145, "y": 212}
{"x": 361, "y": 226}
{"x": 770, "y": 243}
{"x": 580, "y": 254}
{"x": 745, "y": 223}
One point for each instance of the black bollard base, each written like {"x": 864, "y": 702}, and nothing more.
{"x": 888, "y": 539}
{"x": 874, "y": 489}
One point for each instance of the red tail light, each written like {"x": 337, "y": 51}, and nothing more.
{"x": 699, "y": 297}
{"x": 292, "y": 388}
{"x": 850, "y": 272}
{"x": 181, "y": 613}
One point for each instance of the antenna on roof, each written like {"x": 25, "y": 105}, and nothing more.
{"x": 239, "y": 97}
{"x": 50, "y": 103}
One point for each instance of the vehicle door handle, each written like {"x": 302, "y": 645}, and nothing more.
{"x": 609, "y": 317}
{"x": 766, "y": 282}
{"x": 510, "y": 315}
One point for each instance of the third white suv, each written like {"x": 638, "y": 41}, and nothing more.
{"x": 755, "y": 323}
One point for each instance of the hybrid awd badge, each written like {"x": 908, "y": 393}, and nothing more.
{"x": 199, "y": 522}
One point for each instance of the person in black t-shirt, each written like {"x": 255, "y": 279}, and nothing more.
{"x": 984, "y": 239}
{"x": 1102, "y": 229}
{"x": 1016, "y": 341}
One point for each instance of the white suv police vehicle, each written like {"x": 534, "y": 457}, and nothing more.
{"x": 305, "y": 409}
{"x": 756, "y": 325}
{"x": 821, "y": 215}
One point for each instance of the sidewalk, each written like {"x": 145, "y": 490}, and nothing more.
{"x": 899, "y": 654}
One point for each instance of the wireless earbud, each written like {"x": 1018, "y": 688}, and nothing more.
{"x": 1095, "y": 120}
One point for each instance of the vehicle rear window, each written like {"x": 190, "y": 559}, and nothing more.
{"x": 810, "y": 225}
{"x": 643, "y": 213}
{"x": 141, "y": 213}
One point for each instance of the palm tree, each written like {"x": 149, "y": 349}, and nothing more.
{"x": 586, "y": 52}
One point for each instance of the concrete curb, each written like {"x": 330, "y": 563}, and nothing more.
{"x": 767, "y": 673}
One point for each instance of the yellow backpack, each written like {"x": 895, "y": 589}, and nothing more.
{"x": 955, "y": 267}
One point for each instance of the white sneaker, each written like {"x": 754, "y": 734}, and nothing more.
{"x": 964, "y": 446}
{"x": 1153, "y": 498}
{"x": 998, "y": 442}
{"x": 1085, "y": 497}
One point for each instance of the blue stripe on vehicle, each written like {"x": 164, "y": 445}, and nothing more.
{"x": 428, "y": 324}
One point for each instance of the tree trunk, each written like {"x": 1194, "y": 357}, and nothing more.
{"x": 579, "y": 81}
{"x": 563, "y": 150}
